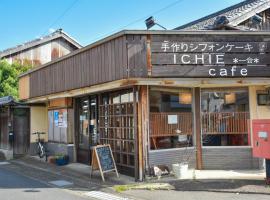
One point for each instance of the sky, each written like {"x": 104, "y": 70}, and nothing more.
{"x": 90, "y": 20}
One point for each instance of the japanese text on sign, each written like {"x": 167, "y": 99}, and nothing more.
{"x": 214, "y": 54}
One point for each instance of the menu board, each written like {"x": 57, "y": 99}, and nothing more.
{"x": 102, "y": 159}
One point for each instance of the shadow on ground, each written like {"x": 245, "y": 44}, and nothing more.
{"x": 241, "y": 186}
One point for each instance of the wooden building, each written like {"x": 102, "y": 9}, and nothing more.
{"x": 41, "y": 50}
{"x": 14, "y": 127}
{"x": 158, "y": 97}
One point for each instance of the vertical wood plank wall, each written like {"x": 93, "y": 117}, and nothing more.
{"x": 116, "y": 59}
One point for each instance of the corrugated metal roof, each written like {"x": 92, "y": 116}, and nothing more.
{"x": 235, "y": 14}
{"x": 22, "y": 47}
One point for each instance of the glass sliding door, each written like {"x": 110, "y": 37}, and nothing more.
{"x": 83, "y": 154}
{"x": 93, "y": 123}
{"x": 87, "y": 134}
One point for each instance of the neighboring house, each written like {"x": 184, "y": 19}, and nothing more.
{"x": 14, "y": 117}
{"x": 14, "y": 127}
{"x": 247, "y": 15}
{"x": 41, "y": 50}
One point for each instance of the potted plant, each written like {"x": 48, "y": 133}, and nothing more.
{"x": 61, "y": 159}
{"x": 180, "y": 169}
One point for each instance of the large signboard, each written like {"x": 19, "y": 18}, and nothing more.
{"x": 210, "y": 55}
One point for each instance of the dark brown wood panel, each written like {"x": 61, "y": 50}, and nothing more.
{"x": 193, "y": 55}
{"x": 209, "y": 59}
{"x": 203, "y": 71}
{"x": 103, "y": 63}
{"x": 137, "y": 57}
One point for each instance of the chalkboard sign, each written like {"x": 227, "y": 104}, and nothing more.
{"x": 102, "y": 159}
{"x": 105, "y": 158}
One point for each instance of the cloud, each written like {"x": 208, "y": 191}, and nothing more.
{"x": 51, "y": 30}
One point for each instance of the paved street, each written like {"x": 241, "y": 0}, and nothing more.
{"x": 24, "y": 179}
{"x": 18, "y": 187}
{"x": 194, "y": 195}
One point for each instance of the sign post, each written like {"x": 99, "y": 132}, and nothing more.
{"x": 102, "y": 160}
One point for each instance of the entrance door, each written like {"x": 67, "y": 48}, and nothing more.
{"x": 87, "y": 128}
{"x": 3, "y": 129}
{"x": 21, "y": 130}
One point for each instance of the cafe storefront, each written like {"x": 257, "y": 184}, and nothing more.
{"x": 162, "y": 97}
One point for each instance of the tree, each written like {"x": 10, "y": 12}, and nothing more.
{"x": 9, "y": 78}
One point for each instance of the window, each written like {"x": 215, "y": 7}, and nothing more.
{"x": 58, "y": 126}
{"x": 224, "y": 114}
{"x": 117, "y": 128}
{"x": 170, "y": 118}
{"x": 84, "y": 123}
{"x": 263, "y": 99}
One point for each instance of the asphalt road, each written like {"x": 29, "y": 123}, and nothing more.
{"x": 194, "y": 195}
{"x": 15, "y": 185}
{"x": 18, "y": 187}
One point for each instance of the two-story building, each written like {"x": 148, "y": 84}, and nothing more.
{"x": 160, "y": 97}
{"x": 41, "y": 50}
{"x": 14, "y": 117}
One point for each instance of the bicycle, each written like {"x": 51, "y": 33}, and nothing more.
{"x": 41, "y": 151}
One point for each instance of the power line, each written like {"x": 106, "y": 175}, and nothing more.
{"x": 61, "y": 16}
{"x": 138, "y": 20}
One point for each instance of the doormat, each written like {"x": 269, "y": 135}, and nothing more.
{"x": 104, "y": 196}
{"x": 61, "y": 183}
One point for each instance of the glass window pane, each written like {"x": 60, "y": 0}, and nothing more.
{"x": 170, "y": 118}
{"x": 225, "y": 112}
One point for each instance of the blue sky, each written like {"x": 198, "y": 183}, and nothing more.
{"x": 90, "y": 20}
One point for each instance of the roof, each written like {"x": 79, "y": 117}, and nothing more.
{"x": 8, "y": 101}
{"x": 144, "y": 32}
{"x": 55, "y": 35}
{"x": 235, "y": 14}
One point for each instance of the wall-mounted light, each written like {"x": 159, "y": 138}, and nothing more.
{"x": 185, "y": 98}
{"x": 150, "y": 22}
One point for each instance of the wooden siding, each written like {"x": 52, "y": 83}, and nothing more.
{"x": 42, "y": 53}
{"x": 116, "y": 59}
{"x": 137, "y": 58}
{"x": 177, "y": 55}
{"x": 60, "y": 103}
{"x": 125, "y": 56}
{"x": 24, "y": 87}
{"x": 160, "y": 126}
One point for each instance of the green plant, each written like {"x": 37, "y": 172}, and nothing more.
{"x": 60, "y": 156}
{"x": 9, "y": 78}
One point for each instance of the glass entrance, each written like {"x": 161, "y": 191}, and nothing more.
{"x": 87, "y": 135}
